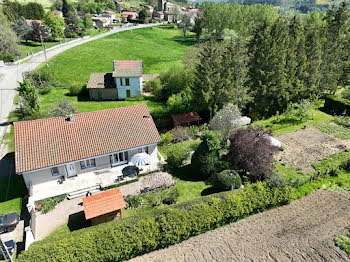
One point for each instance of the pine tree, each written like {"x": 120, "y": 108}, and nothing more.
{"x": 22, "y": 29}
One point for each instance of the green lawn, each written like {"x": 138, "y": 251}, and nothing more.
{"x": 34, "y": 47}
{"x": 158, "y": 48}
{"x": 12, "y": 190}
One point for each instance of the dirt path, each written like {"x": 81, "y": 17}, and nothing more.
{"x": 301, "y": 231}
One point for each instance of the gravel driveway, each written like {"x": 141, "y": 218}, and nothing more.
{"x": 300, "y": 231}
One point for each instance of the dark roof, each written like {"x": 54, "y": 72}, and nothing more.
{"x": 101, "y": 80}
{"x": 182, "y": 119}
{"x": 127, "y": 68}
{"x": 53, "y": 141}
{"x": 148, "y": 77}
{"x": 103, "y": 203}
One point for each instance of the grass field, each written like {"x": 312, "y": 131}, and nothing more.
{"x": 12, "y": 190}
{"x": 158, "y": 48}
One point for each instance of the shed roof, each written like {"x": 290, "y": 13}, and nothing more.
{"x": 103, "y": 203}
{"x": 54, "y": 141}
{"x": 187, "y": 118}
{"x": 101, "y": 80}
{"x": 127, "y": 68}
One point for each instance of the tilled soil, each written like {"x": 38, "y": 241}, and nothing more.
{"x": 307, "y": 146}
{"x": 300, "y": 231}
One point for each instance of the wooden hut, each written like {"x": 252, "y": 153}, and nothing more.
{"x": 103, "y": 207}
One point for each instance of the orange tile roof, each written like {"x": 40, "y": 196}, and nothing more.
{"x": 187, "y": 118}
{"x": 103, "y": 203}
{"x": 127, "y": 68}
{"x": 53, "y": 141}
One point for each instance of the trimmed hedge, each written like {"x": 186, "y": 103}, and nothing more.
{"x": 336, "y": 105}
{"x": 129, "y": 237}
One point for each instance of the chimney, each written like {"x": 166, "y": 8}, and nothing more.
{"x": 70, "y": 118}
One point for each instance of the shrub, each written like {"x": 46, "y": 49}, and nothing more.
{"x": 63, "y": 108}
{"x": 49, "y": 204}
{"x": 251, "y": 152}
{"x": 204, "y": 162}
{"x": 336, "y": 105}
{"x": 226, "y": 180}
{"x": 42, "y": 79}
{"x": 167, "y": 138}
{"x": 75, "y": 88}
{"x": 275, "y": 180}
{"x": 180, "y": 134}
{"x": 176, "y": 155}
{"x": 133, "y": 201}
{"x": 123, "y": 239}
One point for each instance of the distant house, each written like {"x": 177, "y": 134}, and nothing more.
{"x": 109, "y": 15}
{"x": 83, "y": 152}
{"x": 101, "y": 21}
{"x": 172, "y": 12}
{"x": 129, "y": 15}
{"x": 158, "y": 14}
{"x": 31, "y": 21}
{"x": 125, "y": 81}
{"x": 56, "y": 12}
{"x": 119, "y": 5}
{"x": 104, "y": 207}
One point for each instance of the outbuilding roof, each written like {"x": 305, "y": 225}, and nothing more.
{"x": 127, "y": 68}
{"x": 103, "y": 203}
{"x": 54, "y": 141}
{"x": 101, "y": 80}
{"x": 182, "y": 119}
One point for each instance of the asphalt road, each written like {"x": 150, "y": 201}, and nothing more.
{"x": 10, "y": 75}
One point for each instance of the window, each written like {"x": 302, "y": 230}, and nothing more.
{"x": 119, "y": 158}
{"x": 89, "y": 163}
{"x": 127, "y": 93}
{"x": 54, "y": 171}
{"x": 143, "y": 150}
{"x": 121, "y": 81}
{"x": 127, "y": 82}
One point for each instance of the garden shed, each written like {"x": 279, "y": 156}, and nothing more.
{"x": 186, "y": 119}
{"x": 104, "y": 207}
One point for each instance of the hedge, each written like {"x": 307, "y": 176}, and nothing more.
{"x": 129, "y": 237}
{"x": 336, "y": 105}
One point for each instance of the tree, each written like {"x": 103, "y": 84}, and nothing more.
{"x": 87, "y": 21}
{"x": 8, "y": 42}
{"x": 176, "y": 155}
{"x": 226, "y": 120}
{"x": 185, "y": 23}
{"x": 251, "y": 153}
{"x": 29, "y": 99}
{"x": 206, "y": 157}
{"x": 39, "y": 31}
{"x": 55, "y": 23}
{"x": 66, "y": 8}
{"x": 22, "y": 29}
{"x": 34, "y": 11}
{"x": 72, "y": 21}
{"x": 63, "y": 108}
{"x": 180, "y": 102}
{"x": 145, "y": 16}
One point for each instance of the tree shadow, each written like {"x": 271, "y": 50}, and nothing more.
{"x": 77, "y": 221}
{"x": 186, "y": 173}
{"x": 187, "y": 42}
{"x": 209, "y": 191}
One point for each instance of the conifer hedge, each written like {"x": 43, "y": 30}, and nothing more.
{"x": 336, "y": 105}
{"x": 129, "y": 237}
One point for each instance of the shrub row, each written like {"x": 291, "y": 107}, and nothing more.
{"x": 337, "y": 105}
{"x": 129, "y": 237}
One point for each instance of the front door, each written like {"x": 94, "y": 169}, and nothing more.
{"x": 71, "y": 170}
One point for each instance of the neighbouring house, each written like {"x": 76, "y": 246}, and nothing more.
{"x": 83, "y": 152}
{"x": 172, "y": 12}
{"x": 101, "y": 21}
{"x": 158, "y": 14}
{"x": 186, "y": 119}
{"x": 104, "y": 207}
{"x": 119, "y": 6}
{"x": 129, "y": 15}
{"x": 31, "y": 21}
{"x": 56, "y": 12}
{"x": 149, "y": 8}
{"x": 110, "y": 15}
{"x": 125, "y": 81}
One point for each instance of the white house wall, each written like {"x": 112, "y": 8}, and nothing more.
{"x": 134, "y": 87}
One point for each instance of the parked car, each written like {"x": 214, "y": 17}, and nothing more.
{"x": 8, "y": 222}
{"x": 10, "y": 246}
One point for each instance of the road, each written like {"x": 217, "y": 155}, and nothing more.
{"x": 10, "y": 75}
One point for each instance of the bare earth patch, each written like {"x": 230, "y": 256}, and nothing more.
{"x": 300, "y": 231}
{"x": 305, "y": 147}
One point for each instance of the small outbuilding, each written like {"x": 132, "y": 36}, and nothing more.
{"x": 186, "y": 119}
{"x": 104, "y": 207}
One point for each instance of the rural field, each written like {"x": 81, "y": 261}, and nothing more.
{"x": 302, "y": 230}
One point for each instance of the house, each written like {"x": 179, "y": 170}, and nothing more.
{"x": 110, "y": 15}
{"x": 31, "y": 21}
{"x": 125, "y": 81}
{"x": 172, "y": 12}
{"x": 129, "y": 15}
{"x": 101, "y": 21}
{"x": 104, "y": 207}
{"x": 83, "y": 152}
{"x": 158, "y": 14}
{"x": 56, "y": 12}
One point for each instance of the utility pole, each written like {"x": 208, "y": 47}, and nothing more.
{"x": 42, "y": 43}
